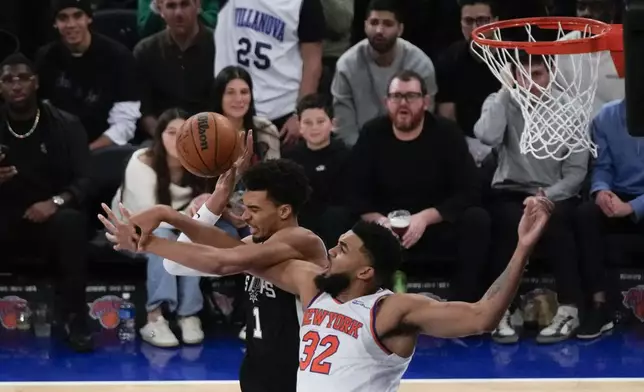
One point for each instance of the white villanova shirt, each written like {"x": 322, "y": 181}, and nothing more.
{"x": 262, "y": 36}
{"x": 340, "y": 352}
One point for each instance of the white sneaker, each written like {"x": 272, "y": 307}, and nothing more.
{"x": 562, "y": 326}
{"x": 191, "y": 332}
{"x": 158, "y": 334}
{"x": 505, "y": 332}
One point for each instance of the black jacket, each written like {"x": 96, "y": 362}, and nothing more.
{"x": 68, "y": 151}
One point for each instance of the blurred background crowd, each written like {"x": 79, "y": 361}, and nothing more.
{"x": 95, "y": 91}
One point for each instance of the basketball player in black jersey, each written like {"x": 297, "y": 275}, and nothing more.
{"x": 275, "y": 192}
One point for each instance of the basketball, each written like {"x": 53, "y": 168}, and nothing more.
{"x": 208, "y": 145}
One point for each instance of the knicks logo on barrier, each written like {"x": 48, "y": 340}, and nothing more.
{"x": 106, "y": 310}
{"x": 8, "y": 314}
{"x": 634, "y": 300}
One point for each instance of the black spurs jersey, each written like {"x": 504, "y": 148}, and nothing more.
{"x": 273, "y": 319}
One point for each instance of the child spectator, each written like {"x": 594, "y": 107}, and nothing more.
{"x": 324, "y": 158}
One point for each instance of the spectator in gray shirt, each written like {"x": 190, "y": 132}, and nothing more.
{"x": 363, "y": 72}
{"x": 519, "y": 177}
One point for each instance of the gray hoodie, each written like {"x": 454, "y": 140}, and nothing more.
{"x": 360, "y": 86}
{"x": 500, "y": 126}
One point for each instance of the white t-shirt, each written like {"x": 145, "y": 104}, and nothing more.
{"x": 262, "y": 36}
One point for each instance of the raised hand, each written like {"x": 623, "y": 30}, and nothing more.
{"x": 535, "y": 217}
{"x": 228, "y": 180}
{"x": 121, "y": 232}
{"x": 243, "y": 161}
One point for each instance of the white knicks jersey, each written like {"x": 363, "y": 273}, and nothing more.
{"x": 339, "y": 351}
{"x": 262, "y": 36}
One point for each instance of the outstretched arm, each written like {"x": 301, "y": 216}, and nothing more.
{"x": 455, "y": 319}
{"x": 279, "y": 248}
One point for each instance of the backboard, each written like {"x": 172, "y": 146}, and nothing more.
{"x": 633, "y": 21}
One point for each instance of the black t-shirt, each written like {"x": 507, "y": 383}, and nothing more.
{"x": 434, "y": 170}
{"x": 33, "y": 183}
{"x": 173, "y": 77}
{"x": 88, "y": 85}
{"x": 312, "y": 27}
{"x": 465, "y": 81}
{"x": 326, "y": 170}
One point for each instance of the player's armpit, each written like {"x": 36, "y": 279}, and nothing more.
{"x": 296, "y": 243}
{"x": 293, "y": 276}
{"x": 439, "y": 319}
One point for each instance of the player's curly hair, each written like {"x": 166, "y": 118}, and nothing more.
{"x": 382, "y": 249}
{"x": 284, "y": 181}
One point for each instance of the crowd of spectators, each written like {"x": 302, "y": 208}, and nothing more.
{"x": 384, "y": 105}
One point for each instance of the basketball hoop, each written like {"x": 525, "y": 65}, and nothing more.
{"x": 557, "y": 116}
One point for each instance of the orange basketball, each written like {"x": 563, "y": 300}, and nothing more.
{"x": 208, "y": 144}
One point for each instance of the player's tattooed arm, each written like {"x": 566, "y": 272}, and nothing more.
{"x": 455, "y": 319}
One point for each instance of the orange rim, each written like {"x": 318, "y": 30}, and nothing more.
{"x": 605, "y": 36}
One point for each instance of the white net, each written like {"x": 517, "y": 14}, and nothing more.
{"x": 556, "y": 115}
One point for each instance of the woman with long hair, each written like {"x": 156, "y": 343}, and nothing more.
{"x": 154, "y": 175}
{"x": 233, "y": 98}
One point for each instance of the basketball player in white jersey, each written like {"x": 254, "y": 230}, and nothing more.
{"x": 357, "y": 336}
{"x": 279, "y": 42}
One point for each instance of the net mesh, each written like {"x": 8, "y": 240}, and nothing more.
{"x": 557, "y": 115}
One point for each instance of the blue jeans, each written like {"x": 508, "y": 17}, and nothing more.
{"x": 181, "y": 293}
{"x": 232, "y": 230}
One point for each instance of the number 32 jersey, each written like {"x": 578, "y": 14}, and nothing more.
{"x": 262, "y": 36}
{"x": 339, "y": 351}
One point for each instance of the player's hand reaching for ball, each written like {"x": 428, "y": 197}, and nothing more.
{"x": 535, "y": 218}
{"x": 248, "y": 149}
{"x": 120, "y": 231}
{"x": 227, "y": 181}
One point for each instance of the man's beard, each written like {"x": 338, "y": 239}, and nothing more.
{"x": 382, "y": 47}
{"x": 415, "y": 119}
{"x": 333, "y": 284}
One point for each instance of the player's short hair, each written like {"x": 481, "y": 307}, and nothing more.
{"x": 490, "y": 3}
{"x": 381, "y": 247}
{"x": 407, "y": 75}
{"x": 314, "y": 101}
{"x": 387, "y": 6}
{"x": 284, "y": 181}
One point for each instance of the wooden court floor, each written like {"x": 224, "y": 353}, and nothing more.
{"x": 495, "y": 385}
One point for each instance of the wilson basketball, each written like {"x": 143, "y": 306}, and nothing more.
{"x": 207, "y": 144}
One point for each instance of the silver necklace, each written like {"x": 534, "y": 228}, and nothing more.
{"x": 26, "y": 135}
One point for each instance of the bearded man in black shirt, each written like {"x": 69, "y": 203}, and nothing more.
{"x": 43, "y": 182}
{"x": 413, "y": 160}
